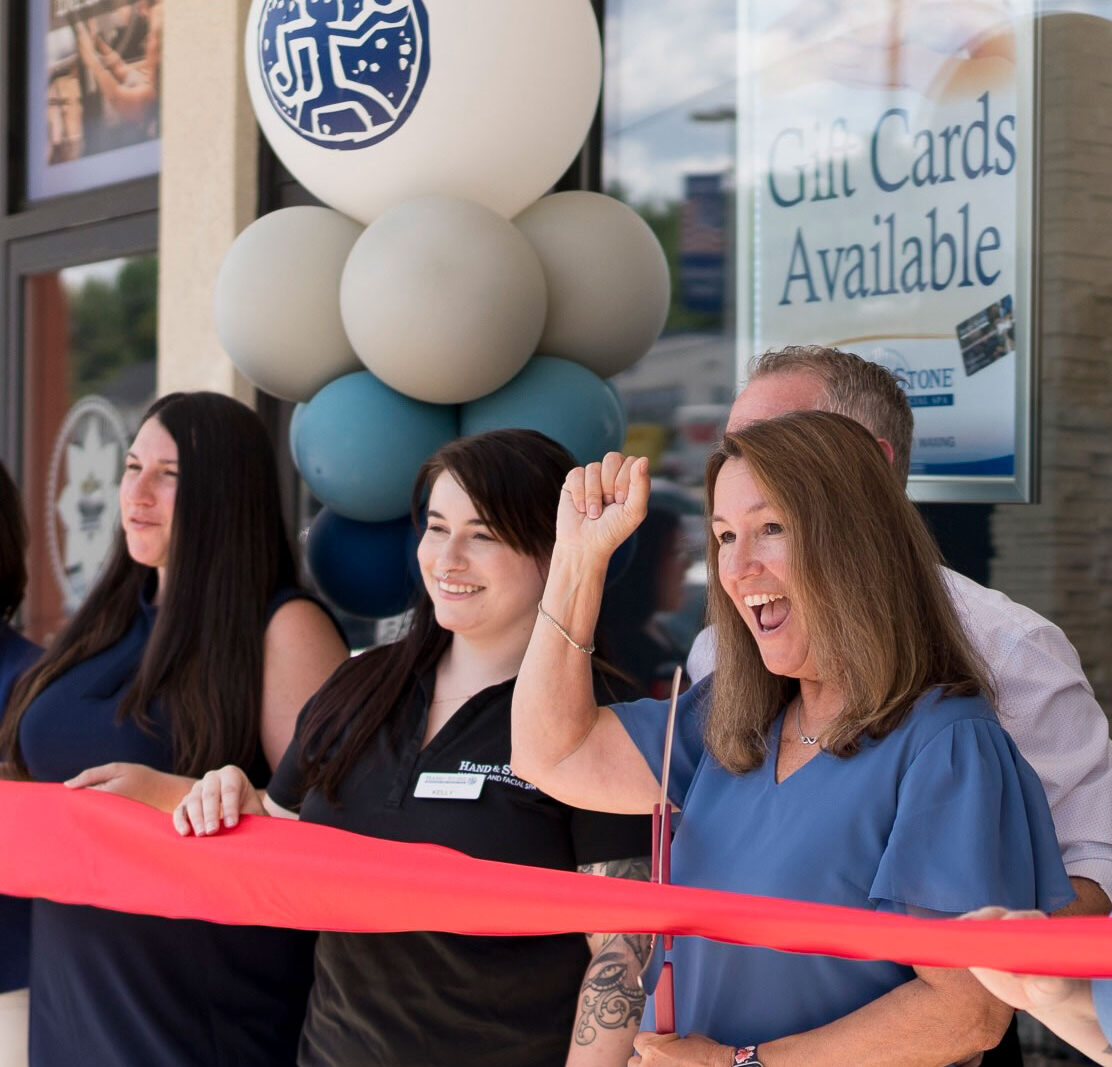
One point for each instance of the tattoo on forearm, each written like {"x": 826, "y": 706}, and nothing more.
{"x": 611, "y": 998}
{"x": 636, "y": 868}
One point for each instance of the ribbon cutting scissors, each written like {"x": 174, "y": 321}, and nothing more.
{"x": 664, "y": 994}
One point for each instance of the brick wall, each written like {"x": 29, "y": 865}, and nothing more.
{"x": 1056, "y": 556}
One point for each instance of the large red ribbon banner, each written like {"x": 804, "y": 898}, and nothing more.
{"x": 87, "y": 847}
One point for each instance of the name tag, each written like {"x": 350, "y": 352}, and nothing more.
{"x": 432, "y": 786}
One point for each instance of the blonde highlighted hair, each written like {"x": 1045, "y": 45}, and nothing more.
{"x": 864, "y": 574}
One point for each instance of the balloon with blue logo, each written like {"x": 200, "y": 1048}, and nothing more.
{"x": 359, "y": 444}
{"x": 362, "y": 567}
{"x": 369, "y": 102}
{"x": 556, "y": 397}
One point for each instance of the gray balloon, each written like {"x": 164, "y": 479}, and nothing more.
{"x": 277, "y": 305}
{"x": 607, "y": 276}
{"x": 443, "y": 299}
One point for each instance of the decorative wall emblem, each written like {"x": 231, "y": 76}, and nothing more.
{"x": 83, "y": 502}
{"x": 343, "y": 73}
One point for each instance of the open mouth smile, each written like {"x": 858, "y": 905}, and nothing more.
{"x": 771, "y": 610}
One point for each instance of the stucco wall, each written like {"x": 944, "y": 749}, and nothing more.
{"x": 208, "y": 189}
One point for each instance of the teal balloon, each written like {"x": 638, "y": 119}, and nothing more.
{"x": 556, "y": 397}
{"x": 361, "y": 567}
{"x": 359, "y": 444}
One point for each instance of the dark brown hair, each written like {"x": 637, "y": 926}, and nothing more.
{"x": 229, "y": 554}
{"x": 13, "y": 547}
{"x": 513, "y": 478}
{"x": 864, "y": 573}
{"x": 857, "y": 388}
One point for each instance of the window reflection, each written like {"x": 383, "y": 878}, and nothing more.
{"x": 669, "y": 151}
{"x": 91, "y": 338}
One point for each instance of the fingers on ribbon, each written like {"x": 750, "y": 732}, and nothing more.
{"x": 991, "y": 912}
{"x": 93, "y": 776}
{"x": 203, "y": 807}
{"x": 230, "y": 796}
{"x": 187, "y": 815}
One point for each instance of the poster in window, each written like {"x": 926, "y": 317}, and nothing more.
{"x": 892, "y": 170}
{"x": 94, "y": 74}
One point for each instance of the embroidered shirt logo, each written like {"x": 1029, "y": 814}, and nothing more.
{"x": 495, "y": 772}
{"x": 344, "y": 73}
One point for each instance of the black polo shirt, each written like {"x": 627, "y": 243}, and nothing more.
{"x": 431, "y": 999}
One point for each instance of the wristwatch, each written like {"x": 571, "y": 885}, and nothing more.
{"x": 746, "y": 1056}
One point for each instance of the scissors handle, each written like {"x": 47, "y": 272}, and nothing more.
{"x": 665, "y": 1002}
{"x": 661, "y": 870}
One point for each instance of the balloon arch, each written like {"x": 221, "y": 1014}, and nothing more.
{"x": 441, "y": 291}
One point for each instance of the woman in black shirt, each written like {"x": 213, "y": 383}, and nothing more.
{"x": 411, "y": 742}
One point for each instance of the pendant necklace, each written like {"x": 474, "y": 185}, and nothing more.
{"x": 804, "y": 739}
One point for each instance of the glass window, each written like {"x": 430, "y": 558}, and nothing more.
{"x": 669, "y": 151}
{"x": 90, "y": 343}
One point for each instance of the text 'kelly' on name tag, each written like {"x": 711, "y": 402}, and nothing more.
{"x": 432, "y": 786}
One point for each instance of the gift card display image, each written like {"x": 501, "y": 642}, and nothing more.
{"x": 987, "y": 336}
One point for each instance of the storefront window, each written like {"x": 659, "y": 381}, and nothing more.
{"x": 91, "y": 335}
{"x": 669, "y": 151}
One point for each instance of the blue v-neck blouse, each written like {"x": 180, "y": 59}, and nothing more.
{"x": 942, "y": 815}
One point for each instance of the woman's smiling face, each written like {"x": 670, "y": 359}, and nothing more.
{"x": 479, "y": 585}
{"x": 754, "y": 569}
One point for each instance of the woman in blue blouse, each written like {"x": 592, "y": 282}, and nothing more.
{"x": 196, "y": 645}
{"x": 844, "y": 752}
{"x": 16, "y": 655}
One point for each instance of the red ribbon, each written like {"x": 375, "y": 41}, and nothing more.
{"x": 86, "y": 847}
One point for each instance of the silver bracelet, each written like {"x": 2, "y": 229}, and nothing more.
{"x": 589, "y": 649}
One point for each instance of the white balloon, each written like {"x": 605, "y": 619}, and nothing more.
{"x": 443, "y": 299}
{"x": 369, "y": 103}
{"x": 607, "y": 276}
{"x": 277, "y": 304}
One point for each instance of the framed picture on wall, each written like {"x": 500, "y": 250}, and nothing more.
{"x": 94, "y": 77}
{"x": 888, "y": 151}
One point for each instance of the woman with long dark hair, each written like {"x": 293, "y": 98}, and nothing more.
{"x": 432, "y": 710}
{"x": 16, "y": 655}
{"x": 195, "y": 646}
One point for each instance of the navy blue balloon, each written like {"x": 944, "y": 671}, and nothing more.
{"x": 361, "y": 567}
{"x": 359, "y": 444}
{"x": 559, "y": 398}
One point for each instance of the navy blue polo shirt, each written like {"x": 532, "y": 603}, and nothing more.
{"x": 16, "y": 655}
{"x": 135, "y": 990}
